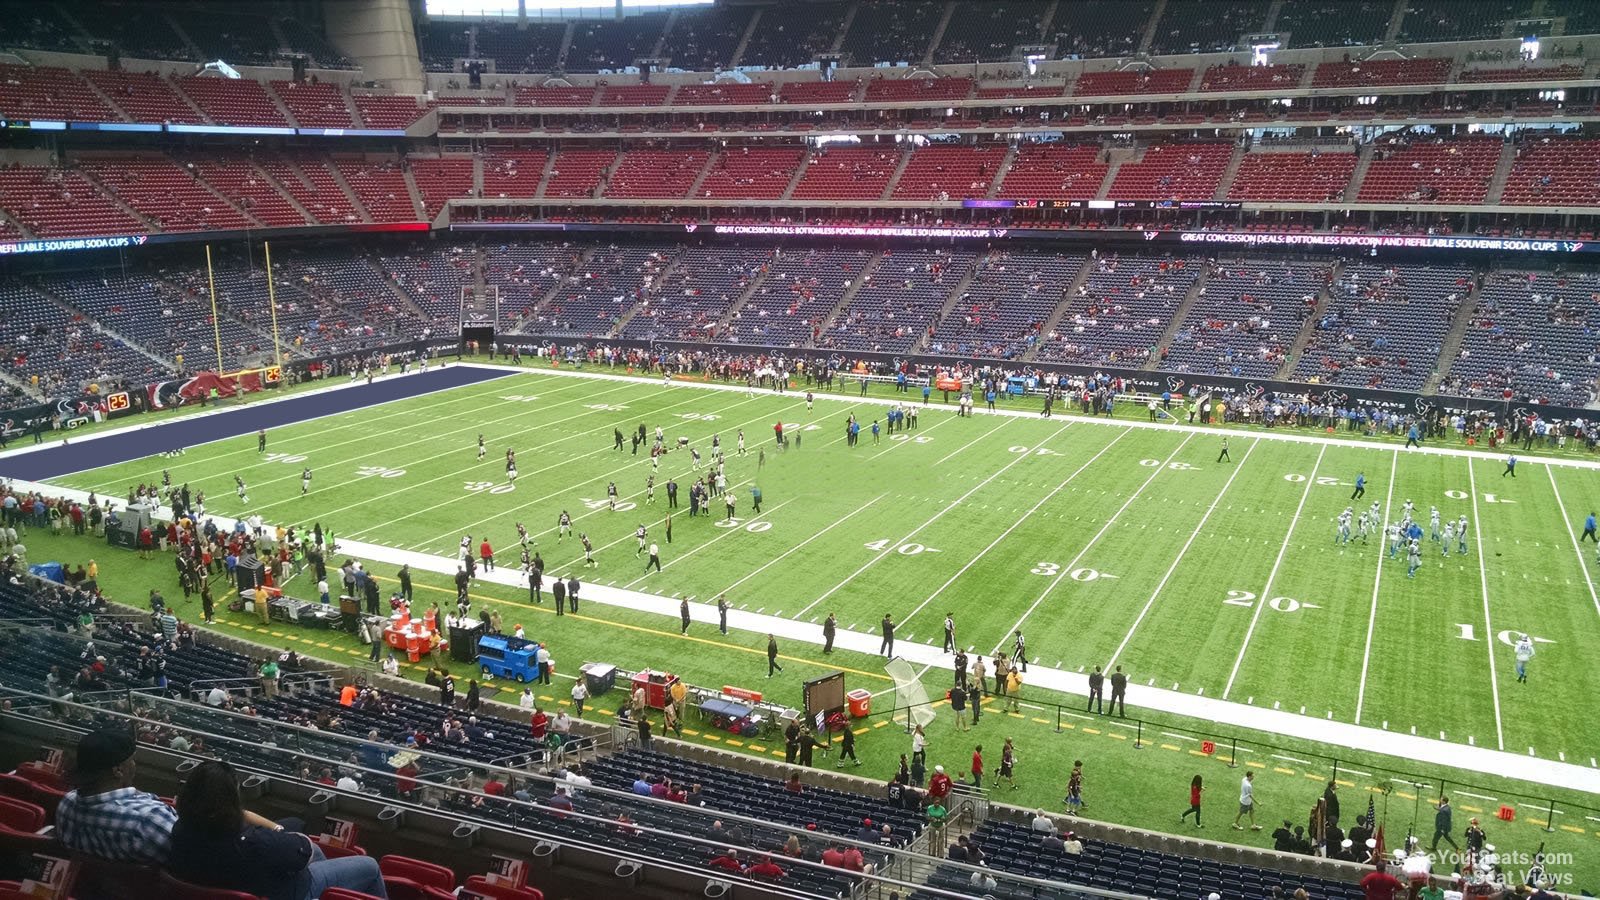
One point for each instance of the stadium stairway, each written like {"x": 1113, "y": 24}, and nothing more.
{"x": 1308, "y": 328}
{"x": 1502, "y": 172}
{"x": 826, "y": 322}
{"x": 750, "y": 290}
{"x": 950, "y": 302}
{"x": 1363, "y": 163}
{"x": 1060, "y": 312}
{"x": 1179, "y": 316}
{"x": 1450, "y": 348}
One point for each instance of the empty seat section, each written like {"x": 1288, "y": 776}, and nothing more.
{"x": 1532, "y": 333}
{"x": 722, "y": 94}
{"x": 576, "y": 173}
{"x": 44, "y": 92}
{"x": 314, "y": 105}
{"x": 1248, "y": 319}
{"x": 703, "y": 40}
{"x": 754, "y": 173}
{"x": 1422, "y": 170}
{"x": 1302, "y": 177}
{"x": 1383, "y": 326}
{"x": 847, "y": 173}
{"x": 55, "y": 203}
{"x": 788, "y": 35}
{"x": 932, "y": 90}
{"x": 513, "y": 173}
{"x": 894, "y": 310}
{"x": 1055, "y": 172}
{"x": 144, "y": 96}
{"x": 582, "y": 95}
{"x": 387, "y": 111}
{"x": 689, "y": 301}
{"x": 952, "y": 172}
{"x": 381, "y": 188}
{"x": 891, "y": 31}
{"x": 1003, "y": 311}
{"x": 1252, "y": 78}
{"x": 591, "y": 303}
{"x": 810, "y": 93}
{"x": 634, "y": 95}
{"x": 306, "y": 178}
{"x": 438, "y": 180}
{"x": 1555, "y": 172}
{"x": 802, "y": 287}
{"x": 613, "y": 43}
{"x": 1173, "y": 172}
{"x": 1133, "y": 81}
{"x": 230, "y": 101}
{"x": 239, "y": 181}
{"x": 1381, "y": 73}
{"x": 1093, "y": 28}
{"x": 656, "y": 173}
{"x": 533, "y": 47}
{"x": 1120, "y": 312}
{"x": 1207, "y": 26}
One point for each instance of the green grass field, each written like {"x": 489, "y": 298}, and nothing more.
{"x": 1106, "y": 544}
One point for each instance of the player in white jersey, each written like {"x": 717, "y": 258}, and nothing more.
{"x": 522, "y": 535}
{"x": 1413, "y": 558}
{"x": 482, "y": 450}
{"x": 305, "y": 481}
{"x": 1342, "y": 534}
{"x": 1394, "y": 539}
{"x": 239, "y": 488}
{"x": 611, "y": 495}
{"x": 1433, "y": 523}
{"x": 1449, "y": 537}
{"x": 650, "y": 489}
{"x": 1364, "y": 525}
{"x": 465, "y": 549}
{"x": 1461, "y": 535}
{"x": 1375, "y": 512}
{"x": 694, "y": 458}
{"x": 741, "y": 442}
{"x": 1406, "y": 509}
{"x": 639, "y": 533}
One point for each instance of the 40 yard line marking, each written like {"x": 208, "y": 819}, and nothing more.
{"x": 1185, "y": 549}
{"x": 1017, "y": 524}
{"x": 1377, "y": 579}
{"x": 1272, "y": 576}
{"x": 1488, "y": 629}
{"x": 936, "y": 516}
{"x": 1055, "y": 580}
{"x": 1577, "y": 548}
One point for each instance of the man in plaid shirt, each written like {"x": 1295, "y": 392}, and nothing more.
{"x": 106, "y": 817}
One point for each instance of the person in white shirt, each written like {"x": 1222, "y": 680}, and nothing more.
{"x": 1042, "y": 823}
{"x": 580, "y": 692}
{"x": 1247, "y": 802}
{"x": 527, "y": 698}
{"x": 562, "y": 723}
{"x": 217, "y": 697}
{"x": 391, "y": 666}
{"x": 348, "y": 783}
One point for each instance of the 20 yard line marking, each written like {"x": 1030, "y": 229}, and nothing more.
{"x": 1017, "y": 524}
{"x": 1266, "y": 591}
{"x": 1488, "y": 629}
{"x": 785, "y": 554}
{"x": 890, "y": 548}
{"x": 1185, "y": 549}
{"x": 1377, "y": 579}
{"x": 1055, "y": 580}
{"x": 1577, "y": 548}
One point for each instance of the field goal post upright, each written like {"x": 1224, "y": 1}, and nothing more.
{"x": 479, "y": 315}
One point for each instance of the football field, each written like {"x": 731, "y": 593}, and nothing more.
{"x": 1104, "y": 542}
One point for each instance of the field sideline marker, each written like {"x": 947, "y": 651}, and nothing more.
{"x": 1377, "y": 579}
{"x": 1488, "y": 638}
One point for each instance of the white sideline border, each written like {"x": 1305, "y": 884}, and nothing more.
{"x": 1551, "y": 773}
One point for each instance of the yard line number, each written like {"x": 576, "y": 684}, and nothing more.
{"x": 736, "y": 522}
{"x": 379, "y": 472}
{"x": 478, "y": 487}
{"x": 1082, "y": 574}
{"x": 908, "y": 549}
{"x": 1279, "y": 604}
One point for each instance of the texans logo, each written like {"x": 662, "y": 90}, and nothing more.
{"x": 691, "y": 227}
{"x": 1336, "y": 398}
{"x": 1174, "y": 385}
{"x": 1151, "y": 235}
{"x": 1573, "y": 246}
{"x": 1422, "y": 405}
{"x": 139, "y": 239}
{"x": 1522, "y": 412}
{"x": 1000, "y": 232}
{"x": 1252, "y": 389}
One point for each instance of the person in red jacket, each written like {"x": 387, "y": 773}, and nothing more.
{"x": 977, "y": 766}
{"x": 766, "y": 868}
{"x": 486, "y": 553}
{"x": 729, "y": 860}
{"x": 539, "y": 724}
{"x": 1380, "y": 885}
{"x": 939, "y": 785}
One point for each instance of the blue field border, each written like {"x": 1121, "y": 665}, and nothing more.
{"x": 58, "y": 456}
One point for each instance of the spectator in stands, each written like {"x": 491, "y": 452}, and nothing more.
{"x": 793, "y": 785}
{"x": 1074, "y": 846}
{"x": 642, "y": 786}
{"x": 1042, "y": 823}
{"x": 217, "y": 843}
{"x": 105, "y": 817}
{"x": 939, "y": 785}
{"x": 728, "y": 861}
{"x": 766, "y": 868}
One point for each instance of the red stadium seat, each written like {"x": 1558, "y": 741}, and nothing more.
{"x": 334, "y": 852}
{"x": 114, "y": 880}
{"x": 21, "y": 816}
{"x": 414, "y": 879}
{"x": 344, "y": 894}
{"x": 39, "y": 774}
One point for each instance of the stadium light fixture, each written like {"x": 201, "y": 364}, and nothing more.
{"x": 221, "y": 68}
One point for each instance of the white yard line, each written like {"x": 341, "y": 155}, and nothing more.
{"x": 1215, "y": 502}
{"x": 893, "y": 545}
{"x": 1014, "y": 526}
{"x": 1072, "y": 566}
{"x": 1377, "y": 579}
{"x": 1488, "y": 629}
{"x": 469, "y": 527}
{"x": 726, "y": 532}
{"x": 1577, "y": 548}
{"x": 1266, "y": 591}
{"x": 785, "y": 554}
